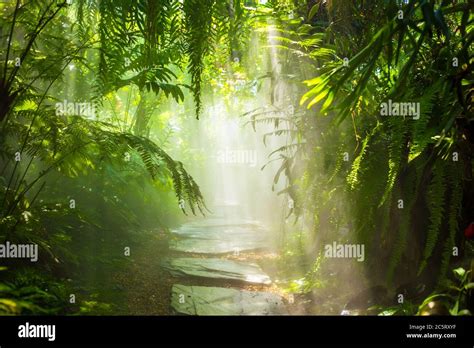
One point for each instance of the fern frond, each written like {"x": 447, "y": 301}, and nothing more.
{"x": 435, "y": 200}
{"x": 397, "y": 147}
{"x": 410, "y": 195}
{"x": 454, "y": 210}
{"x": 199, "y": 41}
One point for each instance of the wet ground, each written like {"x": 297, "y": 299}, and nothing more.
{"x": 210, "y": 266}
{"x": 215, "y": 266}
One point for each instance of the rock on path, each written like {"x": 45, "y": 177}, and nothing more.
{"x": 219, "y": 239}
{"x": 203, "y": 300}
{"x": 211, "y": 237}
{"x": 217, "y": 269}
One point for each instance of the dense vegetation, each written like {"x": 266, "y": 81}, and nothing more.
{"x": 402, "y": 185}
{"x": 84, "y": 186}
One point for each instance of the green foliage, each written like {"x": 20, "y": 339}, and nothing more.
{"x": 343, "y": 164}
{"x": 411, "y": 190}
{"x": 454, "y": 204}
{"x": 391, "y": 158}
{"x": 129, "y": 178}
{"x": 456, "y": 295}
{"x": 30, "y": 293}
{"x": 435, "y": 196}
{"x": 199, "y": 24}
{"x": 148, "y": 43}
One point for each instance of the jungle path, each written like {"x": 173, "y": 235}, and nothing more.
{"x": 203, "y": 241}
{"x": 210, "y": 266}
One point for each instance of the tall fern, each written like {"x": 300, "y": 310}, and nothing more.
{"x": 409, "y": 194}
{"x": 454, "y": 210}
{"x": 435, "y": 200}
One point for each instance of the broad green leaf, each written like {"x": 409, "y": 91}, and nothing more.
{"x": 314, "y": 10}
{"x": 328, "y": 101}
{"x": 318, "y": 98}
{"x": 459, "y": 272}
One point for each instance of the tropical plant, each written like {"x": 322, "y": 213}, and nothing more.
{"x": 405, "y": 182}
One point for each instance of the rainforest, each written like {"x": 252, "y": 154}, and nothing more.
{"x": 236, "y": 157}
